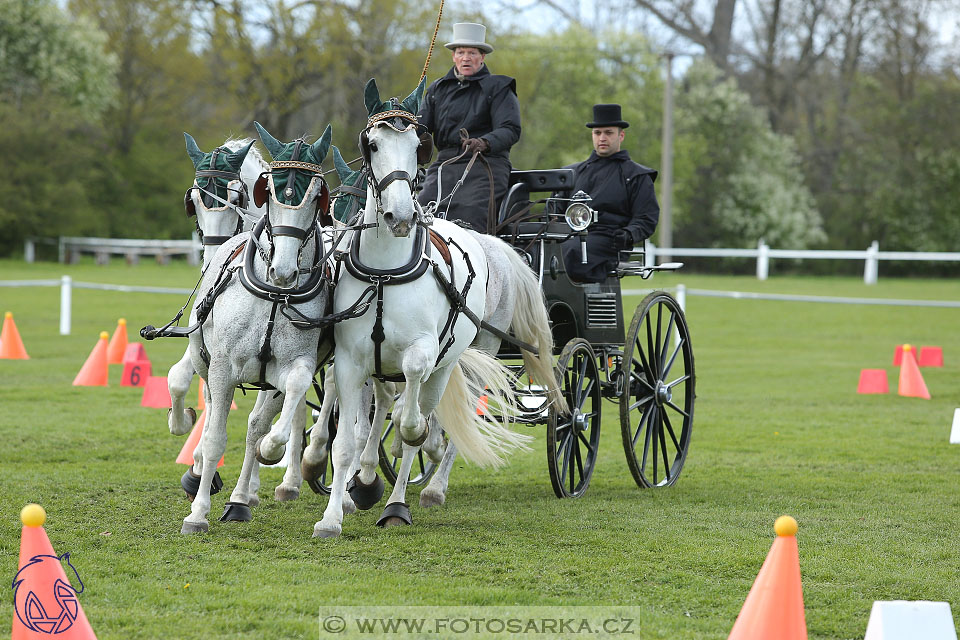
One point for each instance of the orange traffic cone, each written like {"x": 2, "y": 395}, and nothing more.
{"x": 93, "y": 373}
{"x": 118, "y": 343}
{"x": 774, "y": 606}
{"x": 45, "y": 603}
{"x": 873, "y": 381}
{"x": 186, "y": 452}
{"x": 155, "y": 393}
{"x": 202, "y": 402}
{"x": 911, "y": 382}
{"x": 11, "y": 346}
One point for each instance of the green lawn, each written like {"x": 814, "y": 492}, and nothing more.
{"x": 779, "y": 428}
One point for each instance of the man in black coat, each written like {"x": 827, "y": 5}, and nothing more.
{"x": 470, "y": 97}
{"x": 623, "y": 196}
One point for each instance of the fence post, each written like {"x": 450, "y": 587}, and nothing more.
{"x": 65, "y": 291}
{"x": 682, "y": 302}
{"x": 649, "y": 251}
{"x": 763, "y": 260}
{"x": 29, "y": 250}
{"x": 870, "y": 267}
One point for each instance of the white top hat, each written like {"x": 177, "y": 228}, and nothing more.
{"x": 469, "y": 34}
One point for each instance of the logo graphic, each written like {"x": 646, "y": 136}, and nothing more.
{"x": 43, "y": 601}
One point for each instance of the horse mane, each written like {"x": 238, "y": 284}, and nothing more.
{"x": 238, "y": 143}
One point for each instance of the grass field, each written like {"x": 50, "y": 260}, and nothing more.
{"x": 871, "y": 480}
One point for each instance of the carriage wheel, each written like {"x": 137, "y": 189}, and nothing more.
{"x": 573, "y": 439}
{"x": 423, "y": 466}
{"x": 323, "y": 483}
{"x": 656, "y": 406}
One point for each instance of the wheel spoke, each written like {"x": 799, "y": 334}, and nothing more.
{"x": 678, "y": 409}
{"x": 423, "y": 467}
{"x": 673, "y": 357}
{"x": 646, "y": 436}
{"x": 586, "y": 442}
{"x": 634, "y": 376}
{"x": 640, "y": 403}
{"x": 579, "y": 459}
{"x": 663, "y": 448}
{"x": 651, "y": 374}
{"x": 643, "y": 419}
{"x": 673, "y": 436}
{"x": 671, "y": 385}
{"x": 655, "y": 355}
{"x": 586, "y": 392}
{"x": 651, "y": 425}
{"x": 565, "y": 447}
{"x": 386, "y": 432}
{"x": 562, "y": 442}
{"x": 666, "y": 341}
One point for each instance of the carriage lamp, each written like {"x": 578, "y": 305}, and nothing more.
{"x": 580, "y": 216}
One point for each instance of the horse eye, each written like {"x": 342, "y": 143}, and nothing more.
{"x": 373, "y": 146}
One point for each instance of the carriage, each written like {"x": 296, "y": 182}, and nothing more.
{"x": 646, "y": 367}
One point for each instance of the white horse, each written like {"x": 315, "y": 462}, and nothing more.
{"x": 228, "y": 172}
{"x": 258, "y": 284}
{"x": 419, "y": 329}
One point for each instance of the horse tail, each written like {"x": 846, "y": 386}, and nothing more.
{"x": 480, "y": 437}
{"x": 531, "y": 325}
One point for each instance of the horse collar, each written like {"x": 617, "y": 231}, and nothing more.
{"x": 266, "y": 291}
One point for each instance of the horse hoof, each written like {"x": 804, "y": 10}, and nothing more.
{"x": 416, "y": 442}
{"x": 366, "y": 496}
{"x": 236, "y": 512}
{"x": 285, "y": 494}
{"x": 194, "y": 527}
{"x": 430, "y": 498}
{"x": 311, "y": 472}
{"x": 191, "y": 483}
{"x": 325, "y": 532}
{"x": 264, "y": 460}
{"x": 186, "y": 425}
{"x": 395, "y": 514}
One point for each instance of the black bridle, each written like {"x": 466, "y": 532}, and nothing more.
{"x": 208, "y": 198}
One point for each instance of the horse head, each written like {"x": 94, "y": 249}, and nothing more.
{"x": 218, "y": 175}
{"x": 296, "y": 195}
{"x": 389, "y": 146}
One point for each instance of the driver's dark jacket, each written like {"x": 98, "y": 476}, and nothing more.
{"x": 623, "y": 195}
{"x": 486, "y": 106}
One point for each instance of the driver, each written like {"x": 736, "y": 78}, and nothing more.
{"x": 470, "y": 97}
{"x": 622, "y": 193}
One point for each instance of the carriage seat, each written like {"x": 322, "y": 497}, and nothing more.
{"x": 523, "y": 183}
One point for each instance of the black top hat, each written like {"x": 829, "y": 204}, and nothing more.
{"x": 607, "y": 115}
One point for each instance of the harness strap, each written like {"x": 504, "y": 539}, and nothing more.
{"x": 266, "y": 353}
{"x": 441, "y": 246}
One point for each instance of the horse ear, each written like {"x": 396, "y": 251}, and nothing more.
{"x": 371, "y": 97}
{"x": 193, "y": 150}
{"x": 236, "y": 158}
{"x": 343, "y": 169}
{"x": 321, "y": 146}
{"x": 274, "y": 146}
{"x": 412, "y": 102}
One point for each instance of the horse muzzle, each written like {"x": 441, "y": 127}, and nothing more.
{"x": 398, "y": 227}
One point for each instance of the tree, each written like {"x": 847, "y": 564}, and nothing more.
{"x": 741, "y": 182}
{"x": 55, "y": 80}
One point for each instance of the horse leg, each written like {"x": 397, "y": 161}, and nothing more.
{"x": 214, "y": 441}
{"x": 435, "y": 493}
{"x": 258, "y": 423}
{"x": 299, "y": 376}
{"x": 349, "y": 380}
{"x": 418, "y": 363}
{"x": 315, "y": 456}
{"x": 179, "y": 378}
{"x": 289, "y": 489}
{"x": 397, "y": 511}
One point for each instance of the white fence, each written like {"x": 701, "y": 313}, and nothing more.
{"x": 67, "y": 285}
{"x": 69, "y": 248}
{"x": 763, "y": 254}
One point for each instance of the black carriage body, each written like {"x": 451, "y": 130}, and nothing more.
{"x": 592, "y": 311}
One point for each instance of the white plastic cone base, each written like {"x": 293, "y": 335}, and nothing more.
{"x": 955, "y": 430}
{"x": 910, "y": 620}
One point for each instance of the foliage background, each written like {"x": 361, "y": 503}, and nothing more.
{"x": 806, "y": 124}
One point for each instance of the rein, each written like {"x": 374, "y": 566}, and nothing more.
{"x": 491, "y": 204}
